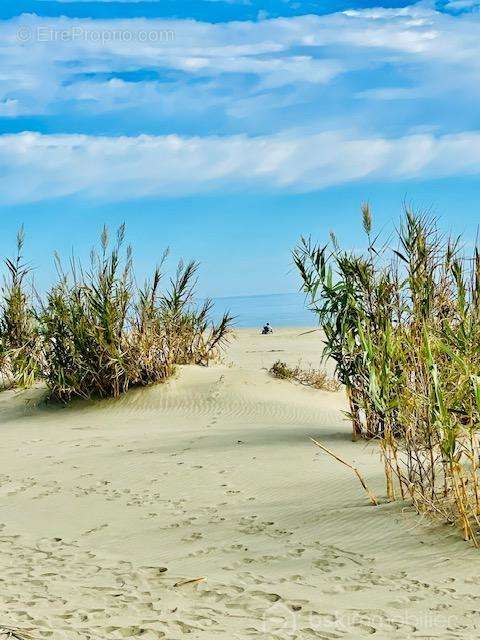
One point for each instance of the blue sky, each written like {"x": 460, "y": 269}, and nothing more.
{"x": 227, "y": 129}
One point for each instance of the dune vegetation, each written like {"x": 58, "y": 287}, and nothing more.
{"x": 20, "y": 355}
{"x": 401, "y": 321}
{"x": 96, "y": 333}
{"x": 309, "y": 377}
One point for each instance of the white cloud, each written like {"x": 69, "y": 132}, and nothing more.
{"x": 416, "y": 40}
{"x": 40, "y": 56}
{"x": 36, "y": 167}
{"x": 462, "y": 5}
{"x": 280, "y": 64}
{"x": 394, "y": 93}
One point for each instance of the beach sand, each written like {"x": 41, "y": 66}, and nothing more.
{"x": 106, "y": 506}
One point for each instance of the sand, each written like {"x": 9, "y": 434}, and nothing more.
{"x": 106, "y": 506}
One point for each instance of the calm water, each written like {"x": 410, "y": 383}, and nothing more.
{"x": 280, "y": 309}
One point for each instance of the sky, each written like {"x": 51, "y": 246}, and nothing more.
{"x": 226, "y": 129}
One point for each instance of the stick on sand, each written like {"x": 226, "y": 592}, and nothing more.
{"x": 192, "y": 581}
{"x": 369, "y": 493}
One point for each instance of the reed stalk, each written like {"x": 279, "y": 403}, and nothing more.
{"x": 20, "y": 354}
{"x": 402, "y": 323}
{"x": 96, "y": 333}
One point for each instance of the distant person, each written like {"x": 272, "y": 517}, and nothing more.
{"x": 267, "y": 329}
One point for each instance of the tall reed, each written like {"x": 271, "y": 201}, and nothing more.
{"x": 19, "y": 339}
{"x": 191, "y": 336}
{"x": 402, "y": 323}
{"x": 102, "y": 334}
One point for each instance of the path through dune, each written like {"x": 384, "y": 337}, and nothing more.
{"x": 105, "y": 507}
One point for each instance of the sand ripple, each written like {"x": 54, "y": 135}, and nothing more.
{"x": 105, "y": 507}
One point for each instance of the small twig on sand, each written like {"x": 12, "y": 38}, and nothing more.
{"x": 9, "y": 633}
{"x": 307, "y": 332}
{"x": 369, "y": 493}
{"x": 192, "y": 581}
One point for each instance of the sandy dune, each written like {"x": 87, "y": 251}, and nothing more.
{"x": 104, "y": 507}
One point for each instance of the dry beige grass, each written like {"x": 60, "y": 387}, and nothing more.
{"x": 309, "y": 377}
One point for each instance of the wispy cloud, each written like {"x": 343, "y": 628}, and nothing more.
{"x": 308, "y": 95}
{"x": 407, "y": 53}
{"x": 36, "y": 167}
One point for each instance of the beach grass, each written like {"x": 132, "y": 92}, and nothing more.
{"x": 96, "y": 333}
{"x": 19, "y": 337}
{"x": 401, "y": 322}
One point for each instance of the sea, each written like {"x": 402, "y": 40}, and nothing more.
{"x": 279, "y": 309}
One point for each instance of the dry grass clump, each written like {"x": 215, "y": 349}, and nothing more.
{"x": 310, "y": 377}
{"x": 19, "y": 339}
{"x": 96, "y": 333}
{"x": 402, "y": 323}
